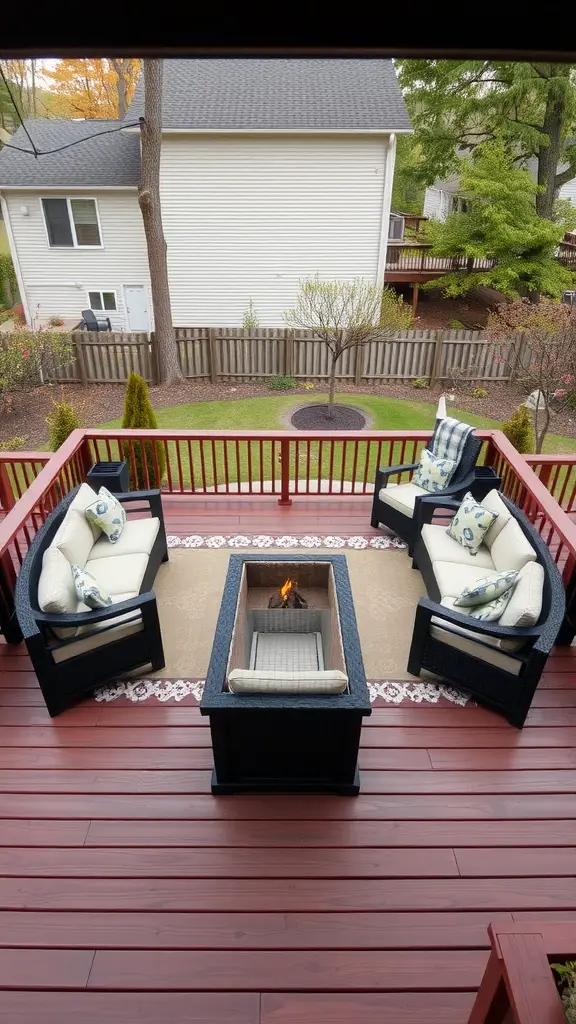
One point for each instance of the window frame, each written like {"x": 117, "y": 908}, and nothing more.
{"x": 103, "y": 311}
{"x": 75, "y": 244}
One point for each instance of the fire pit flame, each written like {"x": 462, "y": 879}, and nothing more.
{"x": 288, "y": 596}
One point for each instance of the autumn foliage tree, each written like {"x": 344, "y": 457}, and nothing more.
{"x": 94, "y": 87}
{"x": 538, "y": 342}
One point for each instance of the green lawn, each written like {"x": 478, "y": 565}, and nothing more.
{"x": 213, "y": 463}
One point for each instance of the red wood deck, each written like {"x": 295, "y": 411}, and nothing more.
{"x": 128, "y": 893}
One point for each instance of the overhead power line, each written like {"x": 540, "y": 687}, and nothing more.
{"x": 49, "y": 152}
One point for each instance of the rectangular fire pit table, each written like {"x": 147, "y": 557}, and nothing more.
{"x": 286, "y": 741}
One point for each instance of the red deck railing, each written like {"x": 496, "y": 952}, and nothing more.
{"x": 286, "y": 465}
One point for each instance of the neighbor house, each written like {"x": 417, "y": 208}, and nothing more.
{"x": 271, "y": 171}
{"x": 446, "y": 196}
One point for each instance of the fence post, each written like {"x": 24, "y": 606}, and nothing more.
{"x": 359, "y": 364}
{"x": 519, "y": 342}
{"x": 288, "y": 352}
{"x": 155, "y": 368}
{"x": 285, "y": 498}
{"x": 80, "y": 361}
{"x": 213, "y": 355}
{"x": 437, "y": 364}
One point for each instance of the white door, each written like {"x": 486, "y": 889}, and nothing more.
{"x": 136, "y": 299}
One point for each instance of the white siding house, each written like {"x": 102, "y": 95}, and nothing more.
{"x": 57, "y": 281}
{"x": 271, "y": 171}
{"x": 245, "y": 217}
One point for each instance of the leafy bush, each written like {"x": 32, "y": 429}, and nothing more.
{"x": 479, "y": 392}
{"x": 395, "y": 315}
{"x": 567, "y": 976}
{"x": 18, "y": 314}
{"x": 457, "y": 325}
{"x": 55, "y": 321}
{"x": 26, "y": 358}
{"x": 62, "y": 421}
{"x": 250, "y": 320}
{"x": 12, "y": 445}
{"x": 8, "y": 282}
{"x": 139, "y": 414}
{"x": 309, "y": 385}
{"x": 280, "y": 383}
{"x": 519, "y": 430}
{"x": 420, "y": 382}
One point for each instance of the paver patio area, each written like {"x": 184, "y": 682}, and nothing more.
{"x": 127, "y": 892}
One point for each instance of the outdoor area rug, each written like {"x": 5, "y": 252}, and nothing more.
{"x": 189, "y": 591}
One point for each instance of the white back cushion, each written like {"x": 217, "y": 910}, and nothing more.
{"x": 56, "y": 590}
{"x": 75, "y": 536}
{"x": 494, "y": 503}
{"x": 525, "y": 606}
{"x": 511, "y": 549}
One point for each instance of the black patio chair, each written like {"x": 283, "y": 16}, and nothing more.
{"x": 394, "y": 506}
{"x": 90, "y": 323}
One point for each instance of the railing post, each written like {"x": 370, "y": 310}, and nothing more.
{"x": 285, "y": 498}
{"x": 7, "y": 499}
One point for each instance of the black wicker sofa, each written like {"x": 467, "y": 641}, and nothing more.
{"x": 499, "y": 664}
{"x": 73, "y": 652}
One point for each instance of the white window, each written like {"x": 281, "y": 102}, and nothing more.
{"x": 99, "y": 301}
{"x": 72, "y": 223}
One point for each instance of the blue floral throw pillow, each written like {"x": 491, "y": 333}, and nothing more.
{"x": 491, "y": 611}
{"x": 470, "y": 524}
{"x": 107, "y": 514}
{"x": 89, "y": 590}
{"x": 486, "y": 589}
{"x": 433, "y": 474}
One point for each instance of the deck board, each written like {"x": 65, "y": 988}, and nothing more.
{"x": 127, "y": 892}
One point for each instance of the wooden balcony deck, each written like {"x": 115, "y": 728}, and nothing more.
{"x": 129, "y": 893}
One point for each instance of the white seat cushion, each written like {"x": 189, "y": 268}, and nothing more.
{"x": 75, "y": 536}
{"x": 119, "y": 573}
{"x": 511, "y": 549}
{"x": 137, "y": 538}
{"x": 442, "y": 548}
{"x": 56, "y": 589}
{"x": 253, "y": 681}
{"x": 468, "y": 642}
{"x": 401, "y": 497}
{"x": 452, "y": 578}
{"x": 494, "y": 503}
{"x": 525, "y": 605}
{"x": 125, "y": 625}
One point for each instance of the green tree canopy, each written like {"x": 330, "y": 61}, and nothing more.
{"x": 457, "y": 105}
{"x": 501, "y": 223}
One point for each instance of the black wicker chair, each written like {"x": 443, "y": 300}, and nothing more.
{"x": 64, "y": 682}
{"x": 509, "y": 693}
{"x": 463, "y": 479}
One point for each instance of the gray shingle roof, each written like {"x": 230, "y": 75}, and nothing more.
{"x": 279, "y": 93}
{"x": 108, "y": 160}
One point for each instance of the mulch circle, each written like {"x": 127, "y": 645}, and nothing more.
{"x": 314, "y": 417}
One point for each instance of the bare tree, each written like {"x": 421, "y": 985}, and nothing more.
{"x": 539, "y": 345}
{"x": 122, "y": 66}
{"x": 149, "y": 200}
{"x": 345, "y": 315}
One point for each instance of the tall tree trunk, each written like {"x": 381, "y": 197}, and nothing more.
{"x": 120, "y": 68}
{"x": 332, "y": 388}
{"x": 549, "y": 156}
{"x": 149, "y": 200}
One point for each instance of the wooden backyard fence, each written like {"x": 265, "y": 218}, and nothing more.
{"x": 234, "y": 354}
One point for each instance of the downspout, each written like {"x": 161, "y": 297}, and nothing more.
{"x": 15, "y": 260}
{"x": 386, "y": 204}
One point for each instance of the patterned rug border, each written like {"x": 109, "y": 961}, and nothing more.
{"x": 356, "y": 543}
{"x": 391, "y": 691}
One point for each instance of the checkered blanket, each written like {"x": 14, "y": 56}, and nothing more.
{"x": 450, "y": 439}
